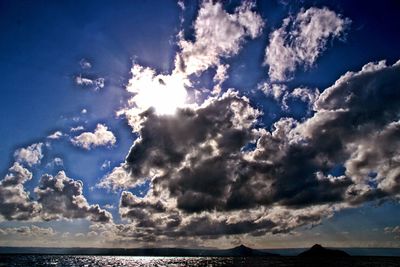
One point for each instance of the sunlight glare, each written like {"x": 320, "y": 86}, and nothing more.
{"x": 165, "y": 93}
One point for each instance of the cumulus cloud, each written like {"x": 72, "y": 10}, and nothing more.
{"x": 15, "y": 202}
{"x": 58, "y": 197}
{"x": 100, "y": 137}
{"x": 62, "y": 198}
{"x": 206, "y": 182}
{"x": 217, "y": 34}
{"x": 300, "y": 41}
{"x": 30, "y": 155}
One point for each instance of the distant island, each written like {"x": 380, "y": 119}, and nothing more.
{"x": 317, "y": 251}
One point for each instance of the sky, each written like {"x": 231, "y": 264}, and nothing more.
{"x": 274, "y": 124}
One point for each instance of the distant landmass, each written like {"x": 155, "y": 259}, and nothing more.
{"x": 318, "y": 251}
{"x": 240, "y": 251}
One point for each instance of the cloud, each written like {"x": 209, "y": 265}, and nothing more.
{"x": 30, "y": 155}
{"x": 206, "y": 181}
{"x": 217, "y": 34}
{"x": 109, "y": 206}
{"x": 164, "y": 93}
{"x": 166, "y": 140}
{"x": 119, "y": 178}
{"x": 61, "y": 198}
{"x": 301, "y": 40}
{"x": 55, "y": 135}
{"x": 58, "y": 197}
{"x": 274, "y": 90}
{"x": 395, "y": 231}
{"x": 364, "y": 136}
{"x": 96, "y": 84}
{"x": 77, "y": 129}
{"x": 85, "y": 64}
{"x": 100, "y": 137}
{"x": 220, "y": 76}
{"x": 56, "y": 162}
{"x": 306, "y": 95}
{"x": 15, "y": 202}
{"x": 29, "y": 231}
{"x": 106, "y": 165}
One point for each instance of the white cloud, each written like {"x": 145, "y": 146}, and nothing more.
{"x": 301, "y": 40}
{"x": 55, "y": 162}
{"x": 181, "y": 5}
{"x": 218, "y": 34}
{"x": 106, "y": 164}
{"x": 83, "y": 81}
{"x": 30, "y": 155}
{"x": 119, "y": 178}
{"x": 303, "y": 94}
{"x": 95, "y": 83}
{"x": 273, "y": 90}
{"x": 100, "y": 137}
{"x": 395, "y": 231}
{"x": 109, "y": 206}
{"x": 55, "y": 135}
{"x": 26, "y": 231}
{"x": 85, "y": 64}
{"x": 77, "y": 128}
{"x": 220, "y": 76}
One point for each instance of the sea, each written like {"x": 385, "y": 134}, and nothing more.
{"x": 114, "y": 261}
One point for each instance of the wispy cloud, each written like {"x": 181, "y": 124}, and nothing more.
{"x": 300, "y": 41}
{"x": 218, "y": 34}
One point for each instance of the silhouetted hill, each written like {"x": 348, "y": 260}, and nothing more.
{"x": 317, "y": 251}
{"x": 233, "y": 252}
{"x": 246, "y": 251}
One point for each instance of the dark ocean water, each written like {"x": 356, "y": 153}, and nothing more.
{"x": 114, "y": 261}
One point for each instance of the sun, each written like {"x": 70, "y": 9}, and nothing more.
{"x": 165, "y": 93}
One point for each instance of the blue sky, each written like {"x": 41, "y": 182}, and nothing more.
{"x": 70, "y": 64}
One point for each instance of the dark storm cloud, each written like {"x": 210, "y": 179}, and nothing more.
{"x": 61, "y": 197}
{"x": 202, "y": 175}
{"x": 166, "y": 140}
{"x": 195, "y": 152}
